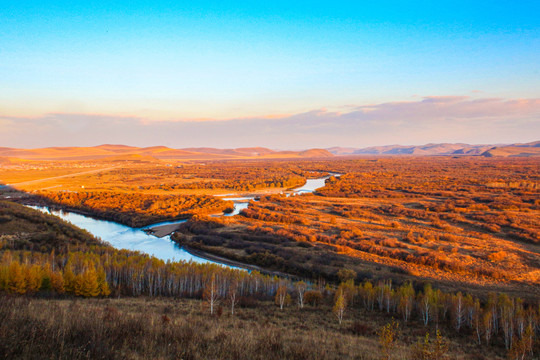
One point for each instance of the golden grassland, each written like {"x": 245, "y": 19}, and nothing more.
{"x": 157, "y": 177}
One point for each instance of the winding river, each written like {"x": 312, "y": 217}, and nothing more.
{"x": 137, "y": 239}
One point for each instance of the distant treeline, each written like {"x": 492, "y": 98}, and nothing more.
{"x": 228, "y": 175}
{"x": 236, "y": 185}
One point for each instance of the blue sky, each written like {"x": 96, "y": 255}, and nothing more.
{"x": 155, "y": 61}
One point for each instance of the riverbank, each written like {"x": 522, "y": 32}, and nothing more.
{"x": 225, "y": 261}
{"x": 161, "y": 230}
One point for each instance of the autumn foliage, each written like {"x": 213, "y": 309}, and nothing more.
{"x": 137, "y": 209}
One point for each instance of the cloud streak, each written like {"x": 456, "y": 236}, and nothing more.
{"x": 431, "y": 119}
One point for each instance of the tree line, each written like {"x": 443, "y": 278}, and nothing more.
{"x": 499, "y": 317}
{"x": 105, "y": 271}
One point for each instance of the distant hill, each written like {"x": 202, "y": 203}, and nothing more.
{"x": 531, "y": 144}
{"x": 110, "y": 152}
{"x": 315, "y": 153}
{"x": 443, "y": 149}
{"x": 253, "y": 151}
{"x": 337, "y": 150}
{"x": 57, "y": 153}
{"x": 515, "y": 150}
{"x": 116, "y": 148}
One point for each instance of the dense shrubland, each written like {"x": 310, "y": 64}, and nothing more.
{"x": 213, "y": 175}
{"x": 435, "y": 218}
{"x": 142, "y": 194}
{"x": 319, "y": 241}
{"x": 136, "y": 209}
{"x": 499, "y": 196}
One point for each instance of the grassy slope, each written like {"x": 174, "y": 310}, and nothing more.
{"x": 144, "y": 328}
{"x": 22, "y": 228}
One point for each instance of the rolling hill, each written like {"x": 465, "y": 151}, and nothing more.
{"x": 515, "y": 150}
{"x": 155, "y": 153}
{"x": 528, "y": 149}
{"x": 110, "y": 152}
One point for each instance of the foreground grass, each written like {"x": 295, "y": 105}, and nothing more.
{"x": 145, "y": 328}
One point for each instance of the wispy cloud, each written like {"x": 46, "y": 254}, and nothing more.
{"x": 432, "y": 119}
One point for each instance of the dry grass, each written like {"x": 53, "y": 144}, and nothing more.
{"x": 182, "y": 329}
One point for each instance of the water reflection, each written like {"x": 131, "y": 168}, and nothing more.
{"x": 124, "y": 237}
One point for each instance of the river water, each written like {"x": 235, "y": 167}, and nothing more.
{"x": 136, "y": 239}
